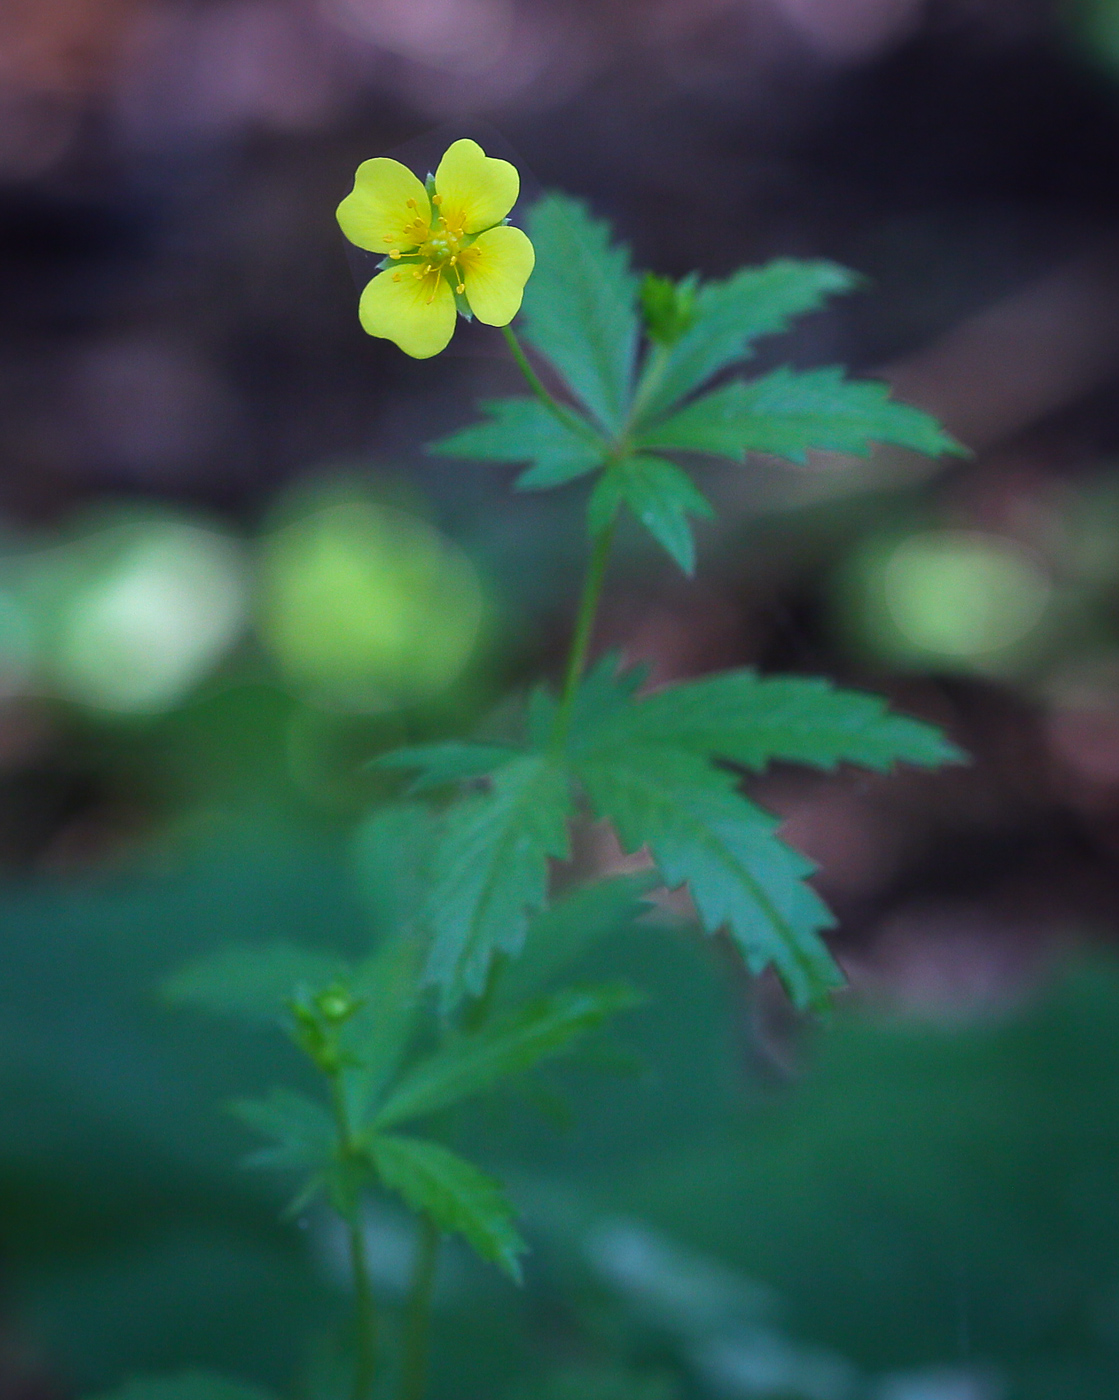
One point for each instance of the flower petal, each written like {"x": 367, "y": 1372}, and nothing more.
{"x": 477, "y": 190}
{"x": 416, "y": 313}
{"x": 495, "y": 269}
{"x": 376, "y": 214}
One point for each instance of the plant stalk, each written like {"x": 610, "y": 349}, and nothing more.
{"x": 600, "y": 552}
{"x": 584, "y": 631}
{"x": 365, "y": 1308}
{"x": 418, "y": 1325}
{"x": 553, "y": 405}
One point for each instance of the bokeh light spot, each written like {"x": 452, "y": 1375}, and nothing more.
{"x": 156, "y": 607}
{"x": 963, "y": 595}
{"x": 365, "y": 607}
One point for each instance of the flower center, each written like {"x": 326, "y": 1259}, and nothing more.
{"x": 443, "y": 244}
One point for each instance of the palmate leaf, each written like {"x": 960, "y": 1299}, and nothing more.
{"x": 580, "y": 306}
{"x": 660, "y": 495}
{"x": 789, "y": 413}
{"x": 301, "y": 1131}
{"x": 474, "y": 1063}
{"x": 751, "y": 720}
{"x": 187, "y": 1385}
{"x": 452, "y": 761}
{"x": 729, "y": 315}
{"x": 490, "y": 870}
{"x": 254, "y": 984}
{"x": 523, "y": 430}
{"x": 700, "y": 831}
{"x": 455, "y": 1194}
{"x": 604, "y": 692}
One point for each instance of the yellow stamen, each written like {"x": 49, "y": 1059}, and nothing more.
{"x": 394, "y": 253}
{"x": 410, "y": 204}
{"x": 437, "y": 199}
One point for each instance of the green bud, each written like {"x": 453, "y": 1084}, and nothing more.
{"x": 668, "y": 307}
{"x": 335, "y": 1003}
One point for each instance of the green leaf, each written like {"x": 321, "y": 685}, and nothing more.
{"x": 660, "y": 495}
{"x": 580, "y": 306}
{"x": 570, "y": 926}
{"x": 740, "y": 716}
{"x": 740, "y": 875}
{"x": 788, "y": 413}
{"x": 452, "y": 761}
{"x": 604, "y": 691}
{"x": 490, "y": 871}
{"x": 728, "y": 316}
{"x": 524, "y": 430}
{"x": 302, "y": 1131}
{"x": 254, "y": 983}
{"x": 455, "y": 1194}
{"x": 473, "y": 1064}
{"x": 188, "y": 1385}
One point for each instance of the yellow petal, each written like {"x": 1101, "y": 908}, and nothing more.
{"x": 476, "y": 190}
{"x": 376, "y": 214}
{"x": 495, "y": 269}
{"x": 417, "y": 313}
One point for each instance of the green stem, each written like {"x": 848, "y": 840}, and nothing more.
{"x": 365, "y": 1308}
{"x": 365, "y": 1315}
{"x": 584, "y": 630}
{"x": 418, "y": 1324}
{"x": 553, "y": 405}
{"x": 650, "y": 379}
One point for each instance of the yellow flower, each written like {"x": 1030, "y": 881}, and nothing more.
{"x": 445, "y": 244}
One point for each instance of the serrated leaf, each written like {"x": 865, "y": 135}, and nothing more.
{"x": 749, "y": 719}
{"x": 724, "y": 847}
{"x": 490, "y": 871}
{"x": 391, "y": 850}
{"x": 524, "y": 430}
{"x": 604, "y": 691}
{"x": 301, "y": 1131}
{"x": 455, "y": 1194}
{"x": 472, "y": 1064}
{"x": 451, "y": 761}
{"x": 660, "y": 495}
{"x": 580, "y": 306}
{"x": 570, "y": 926}
{"x": 188, "y": 1385}
{"x": 789, "y": 413}
{"x": 728, "y": 316}
{"x": 254, "y": 983}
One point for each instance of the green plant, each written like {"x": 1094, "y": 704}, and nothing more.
{"x": 453, "y": 1003}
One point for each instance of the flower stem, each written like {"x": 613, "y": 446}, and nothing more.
{"x": 365, "y": 1309}
{"x": 569, "y": 420}
{"x": 418, "y": 1325}
{"x": 584, "y": 630}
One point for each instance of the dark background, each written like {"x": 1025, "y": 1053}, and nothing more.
{"x": 211, "y": 481}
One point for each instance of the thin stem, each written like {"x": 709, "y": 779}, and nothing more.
{"x": 553, "y": 405}
{"x": 365, "y": 1315}
{"x": 365, "y": 1308}
{"x": 584, "y": 630}
{"x": 655, "y": 367}
{"x": 418, "y": 1325}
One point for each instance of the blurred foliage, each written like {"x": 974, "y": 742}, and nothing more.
{"x": 930, "y": 1195}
